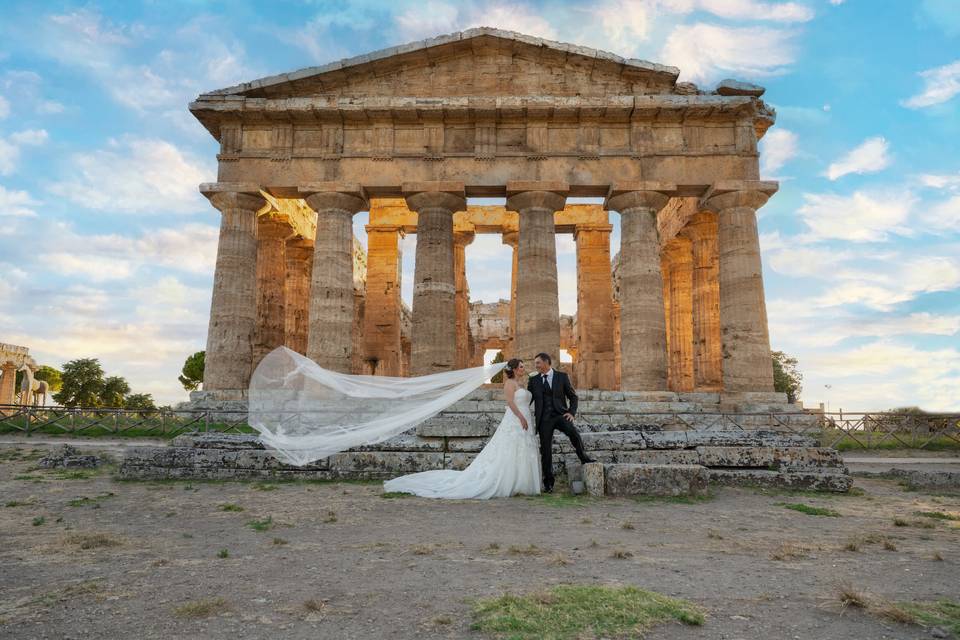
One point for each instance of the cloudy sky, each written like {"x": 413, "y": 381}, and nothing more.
{"x": 107, "y": 250}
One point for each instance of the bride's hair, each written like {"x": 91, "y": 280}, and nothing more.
{"x": 511, "y": 367}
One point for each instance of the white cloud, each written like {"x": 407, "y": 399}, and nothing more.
{"x": 936, "y": 181}
{"x": 136, "y": 175}
{"x": 31, "y": 137}
{"x": 436, "y": 17}
{"x": 943, "y": 216}
{"x": 860, "y": 217}
{"x": 706, "y": 52}
{"x": 745, "y": 9}
{"x": 16, "y": 204}
{"x": 10, "y": 147}
{"x": 872, "y": 155}
{"x": 940, "y": 84}
{"x": 4, "y": 107}
{"x": 97, "y": 268}
{"x": 776, "y": 149}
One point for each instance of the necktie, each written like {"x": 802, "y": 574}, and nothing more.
{"x": 545, "y": 383}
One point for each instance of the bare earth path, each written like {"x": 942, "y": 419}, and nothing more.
{"x": 342, "y": 561}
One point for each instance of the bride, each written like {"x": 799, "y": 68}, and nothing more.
{"x": 508, "y": 465}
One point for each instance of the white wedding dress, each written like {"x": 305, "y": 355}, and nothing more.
{"x": 507, "y": 466}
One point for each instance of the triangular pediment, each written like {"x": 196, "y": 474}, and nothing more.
{"x": 476, "y": 62}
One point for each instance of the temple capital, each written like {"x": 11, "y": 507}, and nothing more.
{"x": 334, "y": 196}
{"x": 633, "y": 195}
{"x": 727, "y": 194}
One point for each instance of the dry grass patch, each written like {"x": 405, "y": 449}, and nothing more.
{"x": 314, "y": 605}
{"x": 789, "y": 551}
{"x": 531, "y": 550}
{"x": 203, "y": 608}
{"x": 421, "y": 550}
{"x": 858, "y": 543}
{"x": 87, "y": 541}
{"x": 621, "y": 554}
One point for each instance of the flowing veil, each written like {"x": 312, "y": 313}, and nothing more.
{"x": 305, "y": 412}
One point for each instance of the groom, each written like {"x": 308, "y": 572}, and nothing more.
{"x": 552, "y": 392}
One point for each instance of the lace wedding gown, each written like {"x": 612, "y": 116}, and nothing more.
{"x": 507, "y": 466}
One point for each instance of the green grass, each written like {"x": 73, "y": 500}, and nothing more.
{"x": 943, "y": 613}
{"x": 28, "y": 477}
{"x": 810, "y": 510}
{"x": 84, "y": 501}
{"x": 39, "y": 520}
{"x": 854, "y": 492}
{"x": 229, "y": 506}
{"x": 390, "y": 495}
{"x": 17, "y": 503}
{"x": 571, "y": 612}
{"x": 707, "y": 497}
{"x": 881, "y": 441}
{"x": 560, "y": 499}
{"x": 261, "y": 525}
{"x": 223, "y": 553}
{"x": 937, "y": 515}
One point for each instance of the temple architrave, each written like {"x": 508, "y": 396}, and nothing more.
{"x": 409, "y": 133}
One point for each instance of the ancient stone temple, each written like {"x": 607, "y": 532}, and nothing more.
{"x": 409, "y": 133}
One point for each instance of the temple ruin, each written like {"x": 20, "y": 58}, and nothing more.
{"x": 409, "y": 133}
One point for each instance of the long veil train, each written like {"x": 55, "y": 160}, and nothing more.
{"x": 305, "y": 412}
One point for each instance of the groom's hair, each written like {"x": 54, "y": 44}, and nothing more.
{"x": 545, "y": 357}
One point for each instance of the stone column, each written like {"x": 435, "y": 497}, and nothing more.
{"x": 665, "y": 284}
{"x": 680, "y": 256}
{"x": 643, "y": 353}
{"x": 434, "y": 339}
{"x": 299, "y": 272}
{"x": 330, "y": 336}
{"x": 233, "y": 308}
{"x": 462, "y": 297}
{"x": 595, "y": 317}
{"x": 8, "y": 383}
{"x": 272, "y": 237}
{"x": 382, "y": 314}
{"x": 707, "y": 357}
{"x": 743, "y": 314}
{"x": 510, "y": 238}
{"x": 537, "y": 306}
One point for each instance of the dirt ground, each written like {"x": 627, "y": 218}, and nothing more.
{"x": 341, "y": 560}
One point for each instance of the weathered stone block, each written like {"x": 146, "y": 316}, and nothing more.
{"x": 657, "y": 456}
{"x": 457, "y": 426}
{"x": 836, "y": 482}
{"x": 594, "y": 478}
{"x": 655, "y": 479}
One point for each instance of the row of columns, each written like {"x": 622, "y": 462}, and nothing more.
{"x": 654, "y": 349}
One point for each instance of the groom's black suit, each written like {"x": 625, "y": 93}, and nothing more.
{"x": 550, "y": 403}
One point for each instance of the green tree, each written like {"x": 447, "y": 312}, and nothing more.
{"x": 53, "y": 377}
{"x": 81, "y": 383}
{"x": 497, "y": 359}
{"x": 141, "y": 401}
{"x": 115, "y": 389}
{"x": 192, "y": 373}
{"x": 786, "y": 377}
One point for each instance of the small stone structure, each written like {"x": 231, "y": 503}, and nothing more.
{"x": 69, "y": 457}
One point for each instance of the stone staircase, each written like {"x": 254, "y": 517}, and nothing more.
{"x": 739, "y": 439}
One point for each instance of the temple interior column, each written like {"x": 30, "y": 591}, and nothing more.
{"x": 707, "y": 356}
{"x": 272, "y": 237}
{"x": 462, "y": 297}
{"x": 434, "y": 331}
{"x": 595, "y": 317}
{"x": 680, "y": 254}
{"x": 233, "y": 307}
{"x": 665, "y": 275}
{"x": 510, "y": 238}
{"x": 744, "y": 334}
{"x": 330, "y": 336}
{"x": 643, "y": 348}
{"x": 299, "y": 269}
{"x": 537, "y": 307}
{"x": 382, "y": 314}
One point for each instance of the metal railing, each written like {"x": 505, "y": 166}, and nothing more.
{"x": 840, "y": 430}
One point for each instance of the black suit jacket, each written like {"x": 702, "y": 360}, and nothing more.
{"x": 563, "y": 396}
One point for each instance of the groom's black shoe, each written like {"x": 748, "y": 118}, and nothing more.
{"x": 548, "y": 488}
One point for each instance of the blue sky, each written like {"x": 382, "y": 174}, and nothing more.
{"x": 107, "y": 250}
